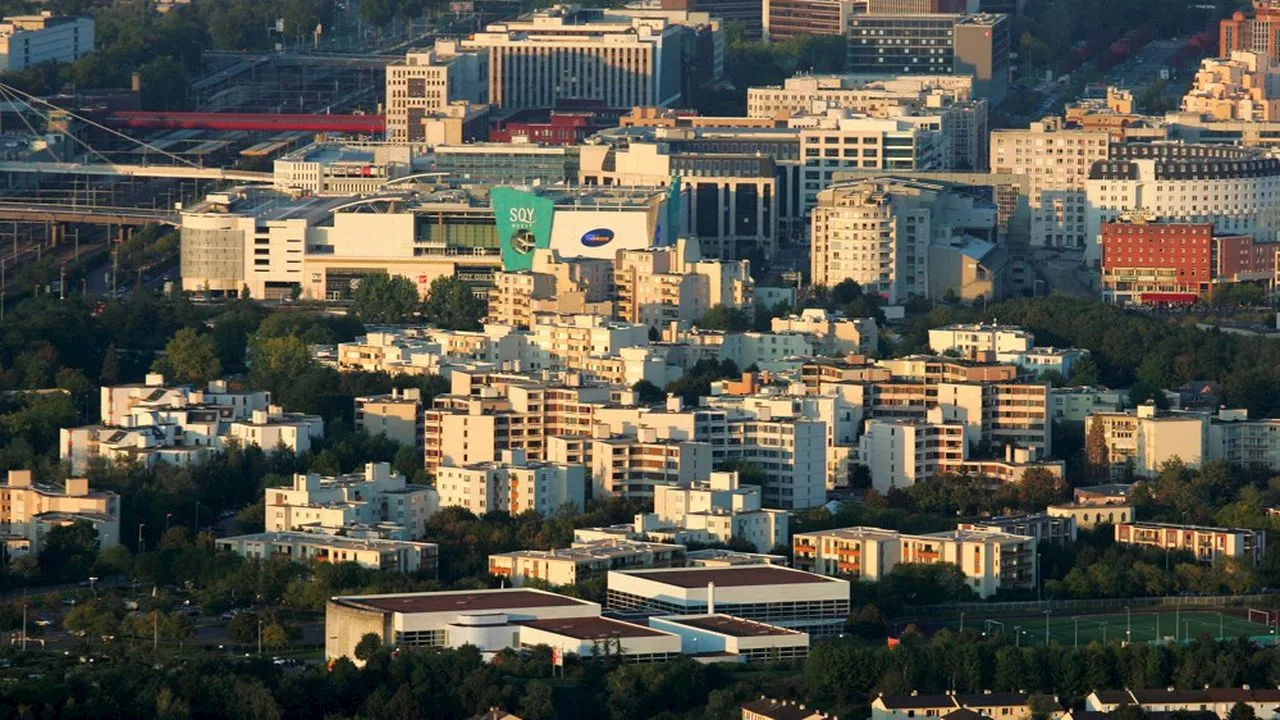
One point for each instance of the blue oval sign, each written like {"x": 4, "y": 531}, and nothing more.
{"x": 597, "y": 238}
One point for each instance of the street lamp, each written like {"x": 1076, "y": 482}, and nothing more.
{"x": 140, "y": 545}
{"x": 1017, "y": 635}
{"x": 166, "y": 521}
{"x": 92, "y": 580}
{"x": 1128, "y": 625}
{"x": 1046, "y": 628}
{"x": 1076, "y": 620}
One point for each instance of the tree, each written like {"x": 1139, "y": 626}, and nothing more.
{"x": 368, "y": 646}
{"x": 381, "y": 298}
{"x": 1096, "y": 453}
{"x": 243, "y": 628}
{"x": 69, "y": 550}
{"x": 648, "y": 393}
{"x": 728, "y": 319}
{"x": 452, "y": 305}
{"x": 190, "y": 358}
{"x": 536, "y": 703}
{"x": 1241, "y": 711}
{"x": 1084, "y": 372}
{"x": 110, "y": 373}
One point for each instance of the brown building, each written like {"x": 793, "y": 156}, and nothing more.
{"x": 1255, "y": 31}
{"x": 785, "y": 19}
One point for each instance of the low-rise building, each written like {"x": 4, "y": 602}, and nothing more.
{"x": 273, "y": 429}
{"x": 1206, "y": 543}
{"x": 1074, "y": 404}
{"x": 837, "y": 335}
{"x": 770, "y": 709}
{"x": 512, "y": 484}
{"x": 583, "y": 561}
{"x": 372, "y": 553}
{"x": 1092, "y": 514}
{"x": 796, "y": 600}
{"x": 29, "y": 509}
{"x": 989, "y": 558}
{"x": 724, "y": 508}
{"x": 488, "y": 619}
{"x": 980, "y": 339}
{"x": 720, "y": 557}
{"x": 1014, "y": 706}
{"x": 1044, "y": 527}
{"x": 713, "y": 634}
{"x": 590, "y": 636}
{"x": 1217, "y": 700}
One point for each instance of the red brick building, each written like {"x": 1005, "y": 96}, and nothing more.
{"x": 1146, "y": 261}
{"x": 541, "y": 127}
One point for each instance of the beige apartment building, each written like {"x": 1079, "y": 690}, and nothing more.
{"x": 374, "y": 498}
{"x": 397, "y": 415}
{"x": 372, "y": 553}
{"x": 1206, "y": 543}
{"x": 901, "y": 453}
{"x": 512, "y": 484}
{"x": 583, "y": 561}
{"x": 427, "y": 82}
{"x": 836, "y": 334}
{"x": 633, "y": 466}
{"x": 1147, "y": 439}
{"x": 990, "y": 560}
{"x": 1057, "y": 160}
{"x": 29, "y": 509}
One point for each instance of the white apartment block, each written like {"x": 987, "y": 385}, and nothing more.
{"x": 724, "y": 508}
{"x": 791, "y": 452}
{"x": 29, "y": 510}
{"x": 981, "y": 340}
{"x": 901, "y": 453}
{"x": 583, "y": 561}
{"x": 513, "y": 485}
{"x": 426, "y": 82}
{"x": 1058, "y": 161}
{"x": 372, "y": 553}
{"x": 28, "y": 40}
{"x": 878, "y": 232}
{"x": 872, "y": 96}
{"x": 1147, "y": 439}
{"x": 1074, "y": 404}
{"x": 565, "y": 53}
{"x": 274, "y": 429}
{"x": 376, "y": 498}
{"x": 1045, "y": 527}
{"x": 118, "y": 402}
{"x": 558, "y": 342}
{"x": 834, "y": 334}
{"x": 1231, "y": 187}
{"x": 990, "y": 560}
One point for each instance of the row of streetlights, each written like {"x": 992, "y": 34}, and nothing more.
{"x": 1178, "y": 622}
{"x": 167, "y": 518}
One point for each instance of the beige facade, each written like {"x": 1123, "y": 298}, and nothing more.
{"x": 1206, "y": 543}
{"x": 583, "y": 561}
{"x": 375, "y": 497}
{"x": 29, "y": 509}
{"x": 901, "y": 453}
{"x": 990, "y": 560}
{"x": 426, "y": 83}
{"x": 1058, "y": 161}
{"x": 513, "y": 485}
{"x": 1091, "y": 515}
{"x": 397, "y": 415}
{"x": 1148, "y": 440}
{"x": 722, "y": 508}
{"x": 1003, "y": 705}
{"x": 633, "y": 467}
{"x": 1244, "y": 86}
{"x": 836, "y": 335}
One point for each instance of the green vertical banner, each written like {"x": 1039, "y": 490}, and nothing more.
{"x": 523, "y": 219}
{"x": 670, "y": 224}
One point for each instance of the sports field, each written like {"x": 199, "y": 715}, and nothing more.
{"x": 1139, "y": 627}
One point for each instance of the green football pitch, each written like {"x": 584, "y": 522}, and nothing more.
{"x": 1138, "y": 627}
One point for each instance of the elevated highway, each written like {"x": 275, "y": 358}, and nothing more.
{"x": 125, "y": 170}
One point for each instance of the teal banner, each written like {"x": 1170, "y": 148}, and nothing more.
{"x": 523, "y": 220}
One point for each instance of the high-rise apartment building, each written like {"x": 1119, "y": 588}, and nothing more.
{"x": 878, "y": 232}
{"x": 1257, "y": 31}
{"x": 1058, "y": 161}
{"x": 512, "y": 484}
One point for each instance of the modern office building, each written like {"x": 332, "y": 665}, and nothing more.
{"x": 738, "y": 639}
{"x": 1251, "y": 30}
{"x": 488, "y": 619}
{"x": 590, "y": 636}
{"x": 786, "y": 19}
{"x": 932, "y": 44}
{"x": 341, "y": 168}
{"x": 427, "y": 83}
{"x": 28, "y": 40}
{"x": 814, "y": 604}
{"x": 1208, "y": 544}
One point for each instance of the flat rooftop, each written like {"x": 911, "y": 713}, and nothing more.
{"x": 739, "y": 576}
{"x": 593, "y": 628}
{"x": 729, "y": 625}
{"x": 462, "y": 602}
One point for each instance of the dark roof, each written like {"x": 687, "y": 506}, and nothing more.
{"x": 1183, "y": 715}
{"x": 1113, "y": 697}
{"x": 732, "y": 626}
{"x": 462, "y": 602}
{"x": 780, "y": 710}
{"x": 1168, "y": 695}
{"x": 739, "y": 576}
{"x": 964, "y": 714}
{"x": 592, "y": 628}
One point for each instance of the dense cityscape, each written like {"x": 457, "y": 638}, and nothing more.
{"x": 493, "y": 359}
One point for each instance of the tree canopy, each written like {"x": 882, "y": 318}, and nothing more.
{"x": 382, "y": 298}
{"x": 452, "y": 304}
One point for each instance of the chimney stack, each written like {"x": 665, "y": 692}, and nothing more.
{"x": 711, "y": 597}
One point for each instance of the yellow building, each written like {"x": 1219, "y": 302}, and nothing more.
{"x": 29, "y": 509}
